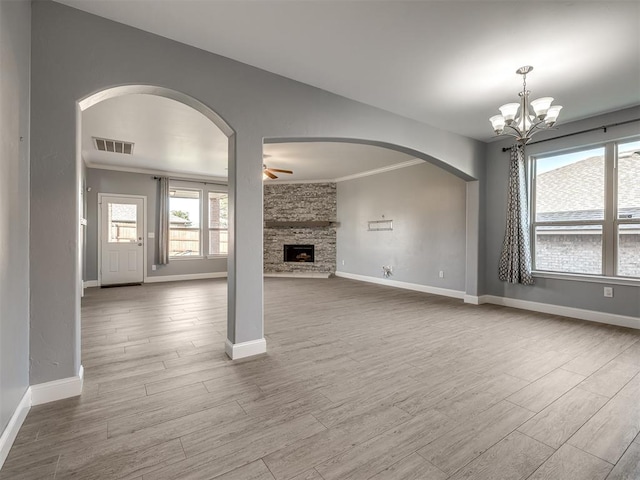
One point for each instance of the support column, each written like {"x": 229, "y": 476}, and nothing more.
{"x": 472, "y": 269}
{"x": 245, "y": 323}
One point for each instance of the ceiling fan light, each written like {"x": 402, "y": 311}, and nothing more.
{"x": 552, "y": 114}
{"x": 540, "y": 106}
{"x": 509, "y": 112}
{"x": 497, "y": 122}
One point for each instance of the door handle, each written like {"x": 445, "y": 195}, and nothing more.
{"x": 140, "y": 244}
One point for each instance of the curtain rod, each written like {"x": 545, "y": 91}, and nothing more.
{"x": 603, "y": 127}
{"x": 155, "y": 177}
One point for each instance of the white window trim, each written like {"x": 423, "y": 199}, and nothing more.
{"x": 200, "y": 256}
{"x": 609, "y": 224}
{"x": 211, "y": 256}
{"x": 578, "y": 277}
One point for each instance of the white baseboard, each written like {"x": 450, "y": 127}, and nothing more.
{"x": 473, "y": 300}
{"x": 298, "y": 274}
{"x": 572, "y": 312}
{"x": 187, "y": 276}
{"x": 245, "y": 349}
{"x": 406, "y": 285}
{"x": 15, "y": 422}
{"x": 90, "y": 283}
{"x": 57, "y": 389}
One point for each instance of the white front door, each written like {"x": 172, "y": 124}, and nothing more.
{"x": 121, "y": 240}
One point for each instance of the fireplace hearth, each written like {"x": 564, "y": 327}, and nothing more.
{"x": 299, "y": 253}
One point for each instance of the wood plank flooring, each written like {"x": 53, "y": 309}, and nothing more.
{"x": 360, "y": 382}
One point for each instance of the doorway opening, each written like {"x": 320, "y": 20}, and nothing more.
{"x": 126, "y": 139}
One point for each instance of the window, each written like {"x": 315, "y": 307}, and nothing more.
{"x": 184, "y": 224}
{"x": 627, "y": 222}
{"x": 123, "y": 223}
{"x": 586, "y": 211}
{"x": 218, "y": 223}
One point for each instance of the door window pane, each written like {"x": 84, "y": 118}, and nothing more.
{"x": 184, "y": 229}
{"x": 571, "y": 249}
{"x": 629, "y": 180}
{"x": 570, "y": 187}
{"x": 629, "y": 250}
{"x": 123, "y": 223}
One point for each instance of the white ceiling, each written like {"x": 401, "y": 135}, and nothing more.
{"x": 331, "y": 161}
{"x": 168, "y": 136}
{"x": 449, "y": 64}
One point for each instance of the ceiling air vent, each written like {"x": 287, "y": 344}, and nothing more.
{"x": 115, "y": 146}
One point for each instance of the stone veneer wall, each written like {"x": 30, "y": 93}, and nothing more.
{"x": 300, "y": 203}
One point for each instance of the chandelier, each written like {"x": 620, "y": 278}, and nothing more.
{"x": 523, "y": 120}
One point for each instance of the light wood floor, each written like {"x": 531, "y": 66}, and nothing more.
{"x": 360, "y": 382}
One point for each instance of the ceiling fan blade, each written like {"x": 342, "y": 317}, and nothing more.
{"x": 269, "y": 174}
{"x": 280, "y": 170}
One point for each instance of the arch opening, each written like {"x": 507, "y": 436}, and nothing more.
{"x": 127, "y": 90}
{"x": 356, "y": 248}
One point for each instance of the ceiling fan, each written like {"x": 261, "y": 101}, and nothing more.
{"x": 268, "y": 172}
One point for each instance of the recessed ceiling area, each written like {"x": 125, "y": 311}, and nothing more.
{"x": 449, "y": 64}
{"x": 168, "y": 136}
{"x": 173, "y": 138}
{"x": 331, "y": 161}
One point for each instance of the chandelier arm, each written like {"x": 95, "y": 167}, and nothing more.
{"x": 514, "y": 135}
{"x": 539, "y": 126}
{"x": 517, "y": 131}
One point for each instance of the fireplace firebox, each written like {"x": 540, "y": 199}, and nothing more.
{"x": 298, "y": 253}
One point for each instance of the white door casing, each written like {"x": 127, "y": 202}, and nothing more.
{"x": 121, "y": 239}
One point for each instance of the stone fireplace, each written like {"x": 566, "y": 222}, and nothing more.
{"x": 301, "y": 216}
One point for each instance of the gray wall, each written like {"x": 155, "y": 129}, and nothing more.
{"x": 14, "y": 205}
{"x": 428, "y": 209}
{"x": 570, "y": 293}
{"x": 111, "y": 181}
{"x": 75, "y": 55}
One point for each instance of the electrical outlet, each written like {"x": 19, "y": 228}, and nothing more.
{"x": 441, "y": 274}
{"x": 153, "y": 267}
{"x": 608, "y": 292}
{"x": 343, "y": 263}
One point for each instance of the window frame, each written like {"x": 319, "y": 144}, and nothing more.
{"x": 617, "y": 221}
{"x": 209, "y": 229}
{"x": 609, "y": 224}
{"x": 200, "y": 256}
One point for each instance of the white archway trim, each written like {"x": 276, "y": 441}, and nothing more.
{"x": 102, "y": 95}
{"x": 417, "y": 154}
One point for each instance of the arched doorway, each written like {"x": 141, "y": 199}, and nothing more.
{"x": 136, "y": 91}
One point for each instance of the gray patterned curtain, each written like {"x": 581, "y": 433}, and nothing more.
{"x": 163, "y": 226}
{"x": 515, "y": 261}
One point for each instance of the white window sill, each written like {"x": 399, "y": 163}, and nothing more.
{"x": 187, "y": 257}
{"x": 211, "y": 257}
{"x": 576, "y": 277}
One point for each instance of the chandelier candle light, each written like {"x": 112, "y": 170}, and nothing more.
{"x": 534, "y": 117}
